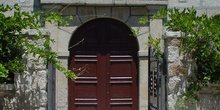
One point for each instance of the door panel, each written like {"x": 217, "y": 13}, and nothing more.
{"x": 108, "y": 83}
{"x": 87, "y": 107}
{"x": 121, "y": 107}
{"x": 83, "y": 92}
{"x": 122, "y": 82}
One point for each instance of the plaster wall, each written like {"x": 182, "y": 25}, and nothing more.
{"x": 209, "y": 7}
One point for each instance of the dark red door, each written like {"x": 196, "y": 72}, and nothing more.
{"x": 108, "y": 76}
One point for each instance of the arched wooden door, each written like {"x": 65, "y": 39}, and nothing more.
{"x": 109, "y": 52}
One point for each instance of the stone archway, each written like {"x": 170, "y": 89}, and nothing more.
{"x": 109, "y": 51}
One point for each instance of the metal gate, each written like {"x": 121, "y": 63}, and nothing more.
{"x": 157, "y": 82}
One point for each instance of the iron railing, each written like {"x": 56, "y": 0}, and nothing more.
{"x": 157, "y": 82}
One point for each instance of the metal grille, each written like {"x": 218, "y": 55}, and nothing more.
{"x": 157, "y": 82}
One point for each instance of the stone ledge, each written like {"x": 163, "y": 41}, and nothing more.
{"x": 6, "y": 86}
{"x": 173, "y": 34}
{"x": 106, "y": 2}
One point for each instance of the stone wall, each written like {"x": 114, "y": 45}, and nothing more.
{"x": 29, "y": 91}
{"x": 179, "y": 67}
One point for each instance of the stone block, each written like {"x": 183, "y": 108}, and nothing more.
{"x": 120, "y": 2}
{"x": 61, "y": 89}
{"x": 99, "y": 2}
{"x": 103, "y": 11}
{"x": 173, "y": 84}
{"x": 133, "y": 21}
{"x": 41, "y": 80}
{"x": 61, "y": 106}
{"x": 211, "y": 12}
{"x": 173, "y": 42}
{"x": 86, "y": 13}
{"x": 144, "y": 2}
{"x": 71, "y": 10}
{"x": 201, "y": 11}
{"x": 76, "y": 2}
{"x": 121, "y": 13}
{"x": 212, "y": 3}
{"x": 188, "y": 3}
{"x": 140, "y": 11}
{"x": 209, "y": 101}
{"x": 143, "y": 84}
{"x": 142, "y": 38}
{"x": 173, "y": 34}
{"x": 156, "y": 28}
{"x": 171, "y": 102}
{"x": 172, "y": 54}
{"x": 143, "y": 53}
{"x": 62, "y": 41}
{"x": 174, "y": 69}
{"x": 42, "y": 108}
{"x": 6, "y": 87}
{"x": 9, "y": 2}
{"x": 75, "y": 21}
{"x": 43, "y": 98}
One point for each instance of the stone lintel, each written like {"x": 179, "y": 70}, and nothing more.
{"x": 105, "y": 2}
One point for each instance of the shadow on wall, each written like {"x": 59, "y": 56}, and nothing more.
{"x": 29, "y": 90}
{"x": 28, "y": 93}
{"x": 209, "y": 101}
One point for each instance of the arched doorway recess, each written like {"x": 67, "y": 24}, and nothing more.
{"x": 108, "y": 49}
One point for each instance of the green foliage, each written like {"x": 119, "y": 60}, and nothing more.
{"x": 162, "y": 13}
{"x": 202, "y": 42}
{"x": 14, "y": 45}
{"x": 155, "y": 43}
{"x": 144, "y": 19}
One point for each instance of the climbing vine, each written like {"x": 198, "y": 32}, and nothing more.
{"x": 201, "y": 40}
{"x": 14, "y": 45}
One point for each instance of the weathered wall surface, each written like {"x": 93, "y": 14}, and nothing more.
{"x": 208, "y": 7}
{"x": 178, "y": 70}
{"x": 29, "y": 91}
{"x": 209, "y": 99}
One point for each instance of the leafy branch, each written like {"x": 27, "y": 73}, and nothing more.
{"x": 14, "y": 44}
{"x": 202, "y": 41}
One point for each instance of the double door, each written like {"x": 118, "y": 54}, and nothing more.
{"x": 107, "y": 81}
